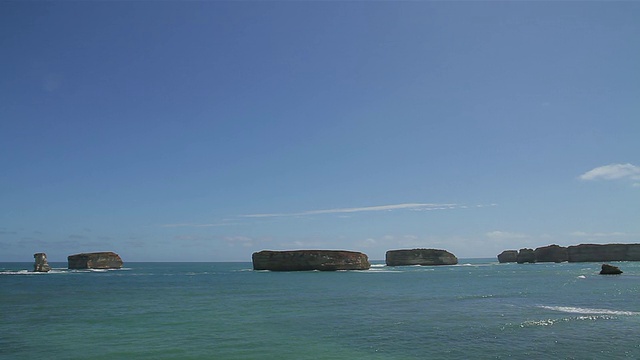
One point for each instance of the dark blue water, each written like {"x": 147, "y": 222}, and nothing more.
{"x": 480, "y": 309}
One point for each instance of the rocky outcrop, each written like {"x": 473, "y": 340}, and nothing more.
{"x": 610, "y": 270}
{"x": 420, "y": 257}
{"x": 40, "y": 263}
{"x": 304, "y": 260}
{"x": 526, "y": 256}
{"x": 508, "y": 256}
{"x": 552, "y": 253}
{"x": 575, "y": 253}
{"x": 95, "y": 260}
{"x": 606, "y": 252}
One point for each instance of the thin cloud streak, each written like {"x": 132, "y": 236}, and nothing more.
{"x": 409, "y": 206}
{"x": 600, "y": 234}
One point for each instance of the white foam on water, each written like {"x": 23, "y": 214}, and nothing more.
{"x": 550, "y": 322}
{"x": 372, "y": 270}
{"x": 589, "y": 311}
{"x": 58, "y": 271}
{"x": 19, "y": 272}
{"x": 30, "y": 272}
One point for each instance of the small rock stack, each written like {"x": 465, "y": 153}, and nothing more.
{"x": 41, "y": 264}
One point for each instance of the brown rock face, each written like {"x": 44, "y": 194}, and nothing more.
{"x": 551, "y": 253}
{"x": 526, "y": 256}
{"x": 95, "y": 260}
{"x": 508, "y": 256}
{"x": 41, "y": 264}
{"x": 304, "y": 260}
{"x": 610, "y": 270}
{"x": 426, "y": 257}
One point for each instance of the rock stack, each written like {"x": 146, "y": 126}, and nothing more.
{"x": 551, "y": 253}
{"x": 420, "y": 257}
{"x": 304, "y": 260}
{"x": 41, "y": 264}
{"x": 95, "y": 260}
{"x": 508, "y": 256}
{"x": 526, "y": 256}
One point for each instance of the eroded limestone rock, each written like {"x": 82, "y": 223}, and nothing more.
{"x": 610, "y": 270}
{"x": 95, "y": 260}
{"x": 40, "y": 263}
{"x": 508, "y": 256}
{"x": 551, "y": 253}
{"x": 605, "y": 252}
{"x": 575, "y": 253}
{"x": 420, "y": 257}
{"x": 304, "y": 260}
{"x": 526, "y": 256}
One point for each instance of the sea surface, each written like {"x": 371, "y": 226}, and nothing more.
{"x": 478, "y": 309}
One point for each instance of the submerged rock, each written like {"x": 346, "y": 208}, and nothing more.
{"x": 610, "y": 270}
{"x": 420, "y": 257}
{"x": 304, "y": 260}
{"x": 508, "y": 256}
{"x": 95, "y": 260}
{"x": 41, "y": 264}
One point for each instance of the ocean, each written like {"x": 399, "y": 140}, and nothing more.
{"x": 478, "y": 309}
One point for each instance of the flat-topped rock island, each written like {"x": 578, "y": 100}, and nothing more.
{"x": 305, "y": 260}
{"x": 425, "y": 257}
{"x": 95, "y": 260}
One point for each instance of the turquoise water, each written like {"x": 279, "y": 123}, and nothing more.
{"x": 479, "y": 309}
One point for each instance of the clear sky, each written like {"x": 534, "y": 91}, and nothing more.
{"x": 205, "y": 131}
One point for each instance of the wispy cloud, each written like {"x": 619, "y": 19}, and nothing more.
{"x": 613, "y": 172}
{"x": 408, "y": 206}
{"x": 502, "y": 235}
{"x": 243, "y": 241}
{"x": 78, "y": 237}
{"x": 194, "y": 225}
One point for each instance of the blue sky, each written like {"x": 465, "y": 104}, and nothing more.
{"x": 205, "y": 131}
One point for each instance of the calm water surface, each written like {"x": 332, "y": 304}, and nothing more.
{"x": 478, "y": 309}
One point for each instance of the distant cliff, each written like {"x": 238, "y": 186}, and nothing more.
{"x": 420, "y": 257}
{"x": 95, "y": 260}
{"x": 606, "y": 252}
{"x": 575, "y": 253}
{"x": 303, "y": 260}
